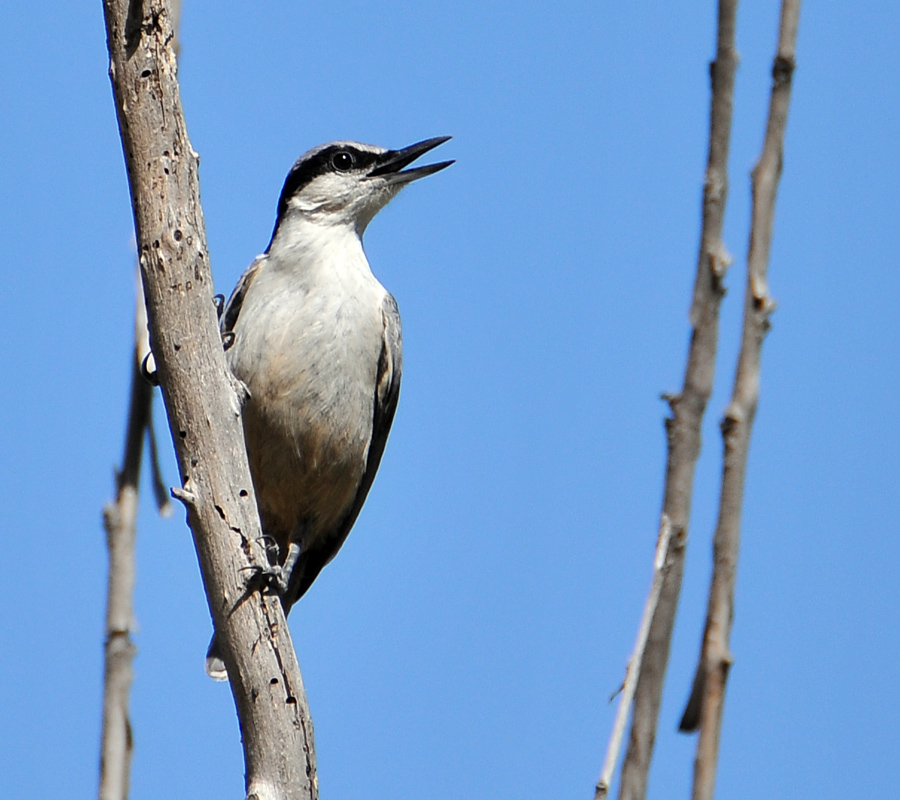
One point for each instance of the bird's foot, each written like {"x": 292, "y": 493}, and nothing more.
{"x": 267, "y": 579}
{"x": 273, "y": 577}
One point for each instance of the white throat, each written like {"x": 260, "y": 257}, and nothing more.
{"x": 311, "y": 246}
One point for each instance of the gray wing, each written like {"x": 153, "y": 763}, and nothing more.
{"x": 236, "y": 301}
{"x": 387, "y": 393}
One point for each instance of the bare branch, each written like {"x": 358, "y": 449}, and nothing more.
{"x": 708, "y": 693}
{"x": 142, "y": 340}
{"x": 119, "y": 520}
{"x": 203, "y": 409}
{"x": 160, "y": 495}
{"x": 634, "y": 663}
{"x": 688, "y": 407}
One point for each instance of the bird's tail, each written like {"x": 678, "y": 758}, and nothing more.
{"x": 215, "y": 665}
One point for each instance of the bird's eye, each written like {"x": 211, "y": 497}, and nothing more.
{"x": 342, "y": 161}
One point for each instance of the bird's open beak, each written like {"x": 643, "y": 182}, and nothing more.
{"x": 390, "y": 165}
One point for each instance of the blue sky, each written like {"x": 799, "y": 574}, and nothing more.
{"x": 466, "y": 640}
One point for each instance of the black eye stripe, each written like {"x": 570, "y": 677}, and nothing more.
{"x": 309, "y": 167}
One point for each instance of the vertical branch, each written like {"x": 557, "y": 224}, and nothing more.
{"x": 688, "y": 407}
{"x": 708, "y": 694}
{"x": 203, "y": 402}
{"x": 119, "y": 521}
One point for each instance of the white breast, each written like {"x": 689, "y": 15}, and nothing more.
{"x": 307, "y": 343}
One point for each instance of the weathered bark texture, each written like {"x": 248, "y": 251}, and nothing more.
{"x": 202, "y": 402}
{"x": 688, "y": 407}
{"x": 708, "y": 694}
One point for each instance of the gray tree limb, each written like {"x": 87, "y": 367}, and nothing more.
{"x": 202, "y": 402}
{"x": 119, "y": 522}
{"x": 119, "y": 518}
{"x": 688, "y": 408}
{"x": 708, "y": 695}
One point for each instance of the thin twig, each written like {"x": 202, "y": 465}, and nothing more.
{"x": 119, "y": 520}
{"x": 634, "y": 663}
{"x": 737, "y": 423}
{"x": 160, "y": 493}
{"x": 688, "y": 407}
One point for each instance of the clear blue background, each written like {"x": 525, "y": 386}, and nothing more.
{"x": 465, "y": 642}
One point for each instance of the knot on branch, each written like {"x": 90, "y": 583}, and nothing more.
{"x": 186, "y": 494}
{"x": 782, "y": 70}
{"x": 730, "y": 421}
{"x": 715, "y": 186}
{"x": 119, "y": 640}
{"x": 764, "y": 304}
{"x": 724, "y": 64}
{"x": 719, "y": 262}
{"x": 678, "y": 540}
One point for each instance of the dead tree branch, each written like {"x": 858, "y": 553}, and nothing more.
{"x": 634, "y": 663}
{"x": 708, "y": 694}
{"x": 688, "y": 407}
{"x": 202, "y": 402}
{"x": 119, "y": 520}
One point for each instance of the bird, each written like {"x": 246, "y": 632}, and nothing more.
{"x": 316, "y": 340}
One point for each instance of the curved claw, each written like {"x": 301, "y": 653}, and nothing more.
{"x": 267, "y": 579}
{"x": 273, "y": 577}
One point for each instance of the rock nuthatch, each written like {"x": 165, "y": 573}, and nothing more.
{"x": 316, "y": 340}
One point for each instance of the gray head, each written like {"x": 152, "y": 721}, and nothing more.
{"x": 345, "y": 183}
